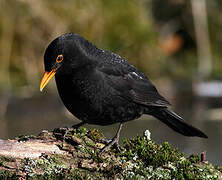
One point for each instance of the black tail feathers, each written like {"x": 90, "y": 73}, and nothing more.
{"x": 177, "y": 123}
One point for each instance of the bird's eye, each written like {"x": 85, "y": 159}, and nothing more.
{"x": 59, "y": 58}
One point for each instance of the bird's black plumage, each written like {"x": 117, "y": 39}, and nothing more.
{"x": 100, "y": 87}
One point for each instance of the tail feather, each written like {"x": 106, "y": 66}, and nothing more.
{"x": 177, "y": 123}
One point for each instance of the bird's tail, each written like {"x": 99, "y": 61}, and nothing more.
{"x": 177, "y": 123}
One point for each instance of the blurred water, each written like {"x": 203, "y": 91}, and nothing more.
{"x": 32, "y": 115}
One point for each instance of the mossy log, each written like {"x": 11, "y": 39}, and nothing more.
{"x": 67, "y": 153}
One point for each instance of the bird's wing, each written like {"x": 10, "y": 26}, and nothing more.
{"x": 132, "y": 84}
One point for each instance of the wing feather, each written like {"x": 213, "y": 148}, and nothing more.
{"x": 133, "y": 85}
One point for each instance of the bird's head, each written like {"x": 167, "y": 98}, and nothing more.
{"x": 64, "y": 55}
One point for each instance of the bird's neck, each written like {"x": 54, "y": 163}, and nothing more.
{"x": 76, "y": 74}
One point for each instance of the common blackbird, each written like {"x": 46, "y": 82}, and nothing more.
{"x": 100, "y": 87}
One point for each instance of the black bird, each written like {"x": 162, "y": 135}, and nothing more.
{"x": 100, "y": 87}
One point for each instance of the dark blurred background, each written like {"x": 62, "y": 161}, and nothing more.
{"x": 176, "y": 43}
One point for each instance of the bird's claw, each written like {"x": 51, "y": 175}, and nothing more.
{"x": 75, "y": 126}
{"x": 113, "y": 142}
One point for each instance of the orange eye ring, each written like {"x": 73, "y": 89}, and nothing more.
{"x": 59, "y": 58}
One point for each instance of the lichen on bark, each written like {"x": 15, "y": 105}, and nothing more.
{"x": 67, "y": 153}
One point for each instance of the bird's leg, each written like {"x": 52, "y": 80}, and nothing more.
{"x": 115, "y": 139}
{"x": 76, "y": 126}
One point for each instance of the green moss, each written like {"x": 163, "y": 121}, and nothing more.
{"x": 193, "y": 158}
{"x": 25, "y": 137}
{"x": 146, "y": 159}
{"x": 219, "y": 168}
{"x": 4, "y": 160}
{"x": 95, "y": 135}
{"x": 149, "y": 152}
{"x": 141, "y": 158}
{"x": 81, "y": 131}
{"x": 5, "y": 174}
{"x": 47, "y": 166}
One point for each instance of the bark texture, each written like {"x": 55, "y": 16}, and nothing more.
{"x": 75, "y": 154}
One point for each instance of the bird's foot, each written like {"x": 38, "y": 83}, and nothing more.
{"x": 60, "y": 133}
{"x": 113, "y": 142}
{"x": 75, "y": 126}
{"x": 65, "y": 134}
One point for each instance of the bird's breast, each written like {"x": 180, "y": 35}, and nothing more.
{"x": 95, "y": 102}
{"x": 80, "y": 96}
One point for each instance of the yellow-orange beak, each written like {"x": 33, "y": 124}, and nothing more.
{"x": 46, "y": 78}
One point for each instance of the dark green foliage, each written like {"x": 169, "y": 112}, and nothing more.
{"x": 149, "y": 159}
{"x": 150, "y": 152}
